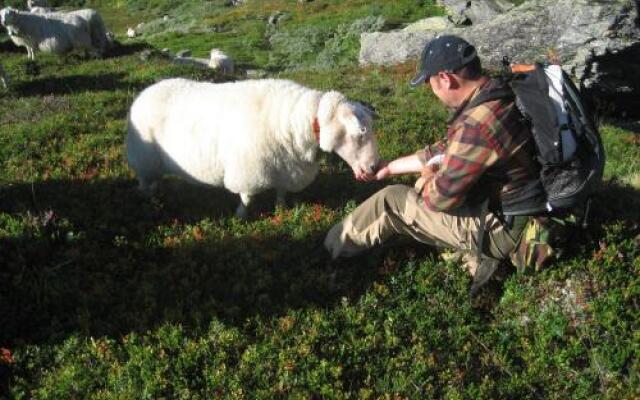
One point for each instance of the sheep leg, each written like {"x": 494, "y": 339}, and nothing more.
{"x": 147, "y": 187}
{"x": 280, "y": 198}
{"x": 3, "y": 77}
{"x": 242, "y": 210}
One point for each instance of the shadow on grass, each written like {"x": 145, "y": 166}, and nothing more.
{"x": 71, "y": 84}
{"x": 7, "y": 46}
{"x": 119, "y": 49}
{"x": 96, "y": 258}
{"x": 629, "y": 125}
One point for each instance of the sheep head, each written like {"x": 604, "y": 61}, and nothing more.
{"x": 346, "y": 128}
{"x": 7, "y": 16}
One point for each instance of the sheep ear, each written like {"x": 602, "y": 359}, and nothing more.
{"x": 328, "y": 140}
{"x": 328, "y": 105}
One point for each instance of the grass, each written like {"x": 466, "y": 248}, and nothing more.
{"x": 107, "y": 295}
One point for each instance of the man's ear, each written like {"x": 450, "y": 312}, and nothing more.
{"x": 445, "y": 79}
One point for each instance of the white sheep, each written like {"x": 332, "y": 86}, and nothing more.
{"x": 221, "y": 62}
{"x": 51, "y": 35}
{"x": 40, "y": 10}
{"x": 248, "y": 136}
{"x": 37, "y": 3}
{"x": 131, "y": 33}
{"x": 100, "y": 39}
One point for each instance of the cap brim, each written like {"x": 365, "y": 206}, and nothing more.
{"x": 419, "y": 79}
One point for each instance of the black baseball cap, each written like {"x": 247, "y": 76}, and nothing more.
{"x": 446, "y": 53}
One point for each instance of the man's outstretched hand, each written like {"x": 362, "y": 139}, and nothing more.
{"x": 382, "y": 172}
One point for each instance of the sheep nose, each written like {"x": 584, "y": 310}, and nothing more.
{"x": 372, "y": 168}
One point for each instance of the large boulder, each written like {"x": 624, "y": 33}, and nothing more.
{"x": 467, "y": 12}
{"x": 597, "y": 41}
{"x": 429, "y": 24}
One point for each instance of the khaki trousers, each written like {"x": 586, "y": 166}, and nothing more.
{"x": 399, "y": 210}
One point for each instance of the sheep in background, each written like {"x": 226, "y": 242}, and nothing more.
{"x": 51, "y": 35}
{"x": 248, "y": 136}
{"x": 37, "y": 3}
{"x": 100, "y": 38}
{"x": 40, "y": 10}
{"x": 221, "y": 62}
{"x": 38, "y": 7}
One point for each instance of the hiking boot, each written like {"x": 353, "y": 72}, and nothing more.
{"x": 483, "y": 273}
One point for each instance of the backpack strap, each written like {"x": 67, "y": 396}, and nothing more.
{"x": 497, "y": 94}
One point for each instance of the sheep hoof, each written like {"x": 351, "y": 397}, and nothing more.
{"x": 241, "y": 211}
{"x": 147, "y": 189}
{"x": 281, "y": 201}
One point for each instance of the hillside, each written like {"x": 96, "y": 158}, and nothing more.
{"x": 105, "y": 294}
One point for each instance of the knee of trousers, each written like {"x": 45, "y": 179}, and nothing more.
{"x": 393, "y": 198}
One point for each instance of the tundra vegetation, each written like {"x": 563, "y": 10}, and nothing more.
{"x": 106, "y": 295}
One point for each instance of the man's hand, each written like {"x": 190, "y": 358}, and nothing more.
{"x": 429, "y": 170}
{"x": 373, "y": 176}
{"x": 383, "y": 172}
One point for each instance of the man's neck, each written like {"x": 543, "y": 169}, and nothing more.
{"x": 469, "y": 88}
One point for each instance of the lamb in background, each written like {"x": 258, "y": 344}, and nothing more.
{"x": 248, "y": 136}
{"x": 37, "y": 3}
{"x": 221, "y": 62}
{"x": 51, "y": 35}
{"x": 40, "y": 10}
{"x": 38, "y": 6}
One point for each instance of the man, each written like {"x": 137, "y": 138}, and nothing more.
{"x": 483, "y": 170}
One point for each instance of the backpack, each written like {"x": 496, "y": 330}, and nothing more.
{"x": 568, "y": 145}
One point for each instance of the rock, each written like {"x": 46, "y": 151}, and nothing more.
{"x": 131, "y": 33}
{"x": 256, "y": 73}
{"x": 429, "y": 24}
{"x": 467, "y": 12}
{"x": 145, "y": 55}
{"x": 596, "y": 41}
{"x": 183, "y": 53}
{"x": 278, "y": 17}
{"x": 192, "y": 61}
{"x": 456, "y": 10}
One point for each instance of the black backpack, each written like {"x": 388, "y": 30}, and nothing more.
{"x": 568, "y": 144}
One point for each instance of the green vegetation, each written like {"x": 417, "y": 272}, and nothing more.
{"x": 107, "y": 295}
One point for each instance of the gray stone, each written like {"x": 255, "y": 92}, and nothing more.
{"x": 183, "y": 53}
{"x": 429, "y": 24}
{"x": 597, "y": 41}
{"x": 256, "y": 73}
{"x": 467, "y": 12}
{"x": 192, "y": 61}
{"x": 278, "y": 17}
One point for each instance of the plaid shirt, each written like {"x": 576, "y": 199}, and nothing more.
{"x": 479, "y": 155}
